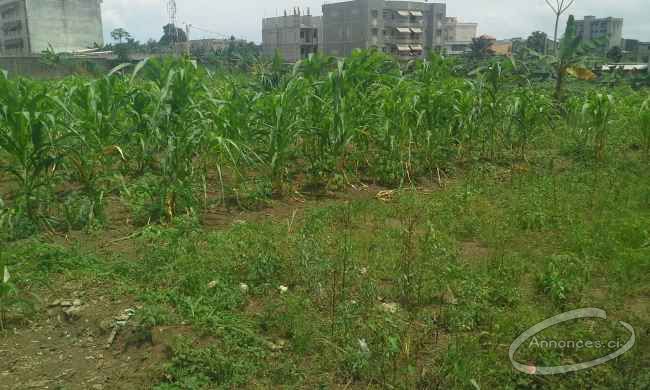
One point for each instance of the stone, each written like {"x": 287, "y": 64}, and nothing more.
{"x": 72, "y": 313}
{"x": 106, "y": 326}
{"x": 66, "y": 303}
{"x": 390, "y": 307}
{"x": 76, "y": 302}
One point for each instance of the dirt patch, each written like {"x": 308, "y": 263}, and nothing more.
{"x": 473, "y": 251}
{"x": 640, "y": 306}
{"x": 67, "y": 346}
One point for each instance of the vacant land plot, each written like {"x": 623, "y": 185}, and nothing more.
{"x": 350, "y": 225}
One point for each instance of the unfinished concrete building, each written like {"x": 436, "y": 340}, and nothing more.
{"x": 610, "y": 29}
{"x": 459, "y": 36}
{"x": 294, "y": 35}
{"x": 32, "y": 26}
{"x": 403, "y": 28}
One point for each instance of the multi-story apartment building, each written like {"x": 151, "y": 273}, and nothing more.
{"x": 610, "y": 29}
{"x": 403, "y": 28}
{"x": 635, "y": 50}
{"x": 459, "y": 36}
{"x": 32, "y": 26}
{"x": 294, "y": 35}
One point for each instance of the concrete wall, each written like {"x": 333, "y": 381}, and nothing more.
{"x": 33, "y": 67}
{"x": 68, "y": 25}
{"x": 294, "y": 36}
{"x": 13, "y": 28}
{"x": 350, "y": 25}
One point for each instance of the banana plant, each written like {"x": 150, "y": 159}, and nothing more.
{"x": 570, "y": 59}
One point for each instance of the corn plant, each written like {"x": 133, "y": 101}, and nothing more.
{"x": 597, "y": 113}
{"x": 279, "y": 129}
{"x": 29, "y": 141}
{"x": 493, "y": 79}
{"x": 8, "y": 295}
{"x": 644, "y": 126}
{"x": 465, "y": 121}
{"x": 528, "y": 111}
{"x": 96, "y": 122}
{"x": 395, "y": 138}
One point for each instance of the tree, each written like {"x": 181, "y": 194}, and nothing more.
{"x": 615, "y": 54}
{"x": 537, "y": 41}
{"x": 120, "y": 34}
{"x": 482, "y": 47}
{"x": 559, "y": 8}
{"x": 172, "y": 34}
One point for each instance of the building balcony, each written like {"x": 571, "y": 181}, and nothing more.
{"x": 403, "y": 23}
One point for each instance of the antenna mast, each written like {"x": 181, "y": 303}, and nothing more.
{"x": 171, "y": 10}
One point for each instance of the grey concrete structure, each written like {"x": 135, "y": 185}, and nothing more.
{"x": 404, "y": 28}
{"x": 32, "y": 26}
{"x": 635, "y": 50}
{"x": 459, "y": 36}
{"x": 294, "y": 35}
{"x": 610, "y": 29}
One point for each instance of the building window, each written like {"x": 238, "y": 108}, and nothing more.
{"x": 10, "y": 13}
{"x": 375, "y": 32}
{"x": 375, "y": 13}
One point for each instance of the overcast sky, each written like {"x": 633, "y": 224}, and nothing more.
{"x": 243, "y": 18}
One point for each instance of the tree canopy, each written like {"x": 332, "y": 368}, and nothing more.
{"x": 171, "y": 34}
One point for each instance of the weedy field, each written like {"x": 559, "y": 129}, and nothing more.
{"x": 350, "y": 224}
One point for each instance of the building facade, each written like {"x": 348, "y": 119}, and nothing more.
{"x": 459, "y": 36}
{"x": 32, "y": 26}
{"x": 610, "y": 29}
{"x": 294, "y": 35}
{"x": 635, "y": 50}
{"x": 402, "y": 28}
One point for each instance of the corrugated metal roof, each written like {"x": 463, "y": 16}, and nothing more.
{"x": 625, "y": 67}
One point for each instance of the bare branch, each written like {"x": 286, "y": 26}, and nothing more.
{"x": 571, "y": 2}
{"x": 552, "y": 6}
